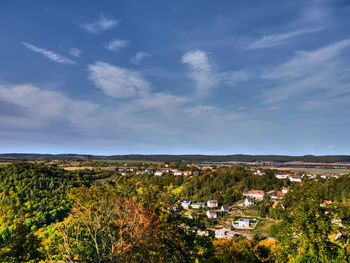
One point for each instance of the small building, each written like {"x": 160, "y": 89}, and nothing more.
{"x": 198, "y": 205}
{"x": 295, "y": 178}
{"x": 212, "y": 214}
{"x": 225, "y": 209}
{"x": 277, "y": 195}
{"x": 241, "y": 223}
{"x": 249, "y": 201}
{"x": 256, "y": 194}
{"x": 187, "y": 173}
{"x": 196, "y": 173}
{"x": 185, "y": 203}
{"x": 224, "y": 233}
{"x": 259, "y": 172}
{"x": 285, "y": 190}
{"x": 178, "y": 173}
{"x": 281, "y": 175}
{"x": 159, "y": 173}
{"x": 212, "y": 203}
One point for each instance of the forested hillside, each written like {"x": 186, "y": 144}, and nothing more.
{"x": 48, "y": 214}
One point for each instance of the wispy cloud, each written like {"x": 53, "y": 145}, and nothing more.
{"x": 241, "y": 109}
{"x": 117, "y": 82}
{"x": 272, "y": 109}
{"x": 136, "y": 60}
{"x": 322, "y": 74}
{"x": 282, "y": 38}
{"x": 101, "y": 24}
{"x": 49, "y": 54}
{"x": 331, "y": 147}
{"x": 205, "y": 76}
{"x": 116, "y": 44}
{"x": 75, "y": 52}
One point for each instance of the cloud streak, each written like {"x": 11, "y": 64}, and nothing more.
{"x": 75, "y": 52}
{"x": 280, "y": 39}
{"x": 49, "y": 54}
{"x": 116, "y": 44}
{"x": 103, "y": 23}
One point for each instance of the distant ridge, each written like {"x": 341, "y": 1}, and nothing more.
{"x": 188, "y": 157}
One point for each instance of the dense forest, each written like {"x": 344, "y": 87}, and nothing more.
{"x": 187, "y": 158}
{"x": 48, "y": 214}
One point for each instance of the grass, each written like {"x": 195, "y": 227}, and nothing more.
{"x": 263, "y": 227}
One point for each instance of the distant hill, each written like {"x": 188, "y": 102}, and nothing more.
{"x": 189, "y": 158}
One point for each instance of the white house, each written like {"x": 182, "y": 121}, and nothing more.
{"x": 281, "y": 175}
{"x": 178, "y": 173}
{"x": 185, "y": 203}
{"x": 241, "y": 223}
{"x": 197, "y": 205}
{"x": 249, "y": 201}
{"x": 159, "y": 173}
{"x": 212, "y": 203}
{"x": 259, "y": 172}
{"x": 212, "y": 214}
{"x": 285, "y": 190}
{"x": 295, "y": 178}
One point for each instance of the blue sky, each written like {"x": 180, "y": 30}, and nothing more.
{"x": 209, "y": 77}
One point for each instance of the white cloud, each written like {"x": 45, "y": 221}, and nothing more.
{"x": 49, "y": 54}
{"x": 116, "y": 44}
{"x": 205, "y": 76}
{"x": 136, "y": 60}
{"x": 117, "y": 82}
{"x": 197, "y": 59}
{"x": 331, "y": 147}
{"x": 279, "y": 39}
{"x": 241, "y": 109}
{"x": 272, "y": 109}
{"x": 75, "y": 52}
{"x": 201, "y": 72}
{"x": 321, "y": 70}
{"x": 45, "y": 108}
{"x": 101, "y": 24}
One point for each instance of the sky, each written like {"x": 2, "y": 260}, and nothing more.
{"x": 176, "y": 77}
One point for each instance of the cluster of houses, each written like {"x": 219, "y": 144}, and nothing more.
{"x": 163, "y": 169}
{"x": 211, "y": 213}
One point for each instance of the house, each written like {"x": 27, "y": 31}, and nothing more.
{"x": 196, "y": 173}
{"x": 241, "y": 223}
{"x": 212, "y": 214}
{"x": 249, "y": 201}
{"x": 185, "y": 203}
{"x": 325, "y": 202}
{"x": 198, "y": 205}
{"x": 178, "y": 173}
{"x": 225, "y": 209}
{"x": 282, "y": 175}
{"x": 224, "y": 233}
{"x": 187, "y": 173}
{"x": 212, "y": 203}
{"x": 295, "y": 178}
{"x": 159, "y": 173}
{"x": 256, "y": 194}
{"x": 277, "y": 195}
{"x": 285, "y": 190}
{"x": 259, "y": 172}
